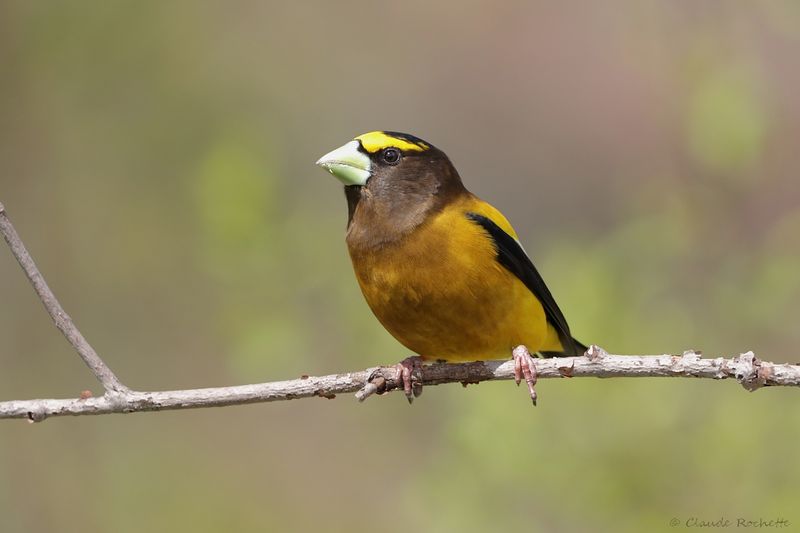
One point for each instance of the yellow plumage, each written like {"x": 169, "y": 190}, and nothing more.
{"x": 441, "y": 292}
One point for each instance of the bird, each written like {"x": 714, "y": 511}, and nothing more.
{"x": 443, "y": 271}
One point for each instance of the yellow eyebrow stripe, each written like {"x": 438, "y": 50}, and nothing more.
{"x": 375, "y": 141}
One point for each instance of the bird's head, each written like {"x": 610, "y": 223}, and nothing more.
{"x": 387, "y": 162}
{"x": 395, "y": 173}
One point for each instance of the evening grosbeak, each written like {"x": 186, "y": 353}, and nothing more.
{"x": 441, "y": 269}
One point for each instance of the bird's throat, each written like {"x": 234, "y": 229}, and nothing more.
{"x": 353, "y": 195}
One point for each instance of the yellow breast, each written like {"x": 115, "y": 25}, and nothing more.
{"x": 441, "y": 292}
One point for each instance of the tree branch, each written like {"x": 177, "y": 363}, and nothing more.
{"x": 746, "y": 369}
{"x": 61, "y": 319}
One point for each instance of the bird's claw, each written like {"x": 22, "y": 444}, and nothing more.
{"x": 408, "y": 374}
{"x": 524, "y": 366}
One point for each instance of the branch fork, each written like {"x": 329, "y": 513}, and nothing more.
{"x": 60, "y": 317}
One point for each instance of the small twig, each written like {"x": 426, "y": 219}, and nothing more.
{"x": 375, "y": 384}
{"x": 61, "y": 319}
{"x": 746, "y": 369}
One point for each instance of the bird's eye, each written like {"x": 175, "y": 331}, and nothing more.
{"x": 391, "y": 156}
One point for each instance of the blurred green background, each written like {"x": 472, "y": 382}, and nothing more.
{"x": 158, "y": 160}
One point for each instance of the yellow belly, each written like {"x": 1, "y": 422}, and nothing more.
{"x": 442, "y": 294}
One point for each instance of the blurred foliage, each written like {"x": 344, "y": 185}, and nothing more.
{"x": 157, "y": 158}
{"x": 726, "y": 124}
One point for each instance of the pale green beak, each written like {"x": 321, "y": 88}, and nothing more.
{"x": 350, "y": 165}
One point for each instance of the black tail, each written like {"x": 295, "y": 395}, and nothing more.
{"x": 577, "y": 348}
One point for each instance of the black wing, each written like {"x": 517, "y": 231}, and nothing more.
{"x": 511, "y": 255}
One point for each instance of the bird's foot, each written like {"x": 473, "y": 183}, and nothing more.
{"x": 524, "y": 366}
{"x": 408, "y": 374}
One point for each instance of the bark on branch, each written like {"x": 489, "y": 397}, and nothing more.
{"x": 746, "y": 369}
